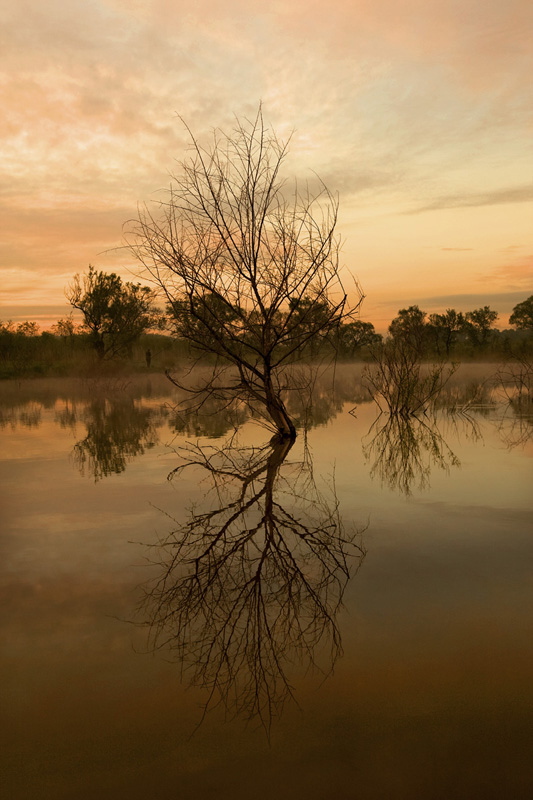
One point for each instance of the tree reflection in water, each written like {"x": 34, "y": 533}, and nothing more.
{"x": 248, "y": 590}
{"x": 403, "y": 450}
{"x": 117, "y": 431}
{"x": 515, "y": 425}
{"x": 27, "y": 416}
{"x": 315, "y": 398}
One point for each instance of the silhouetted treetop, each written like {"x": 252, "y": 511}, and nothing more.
{"x": 114, "y": 313}
{"x": 522, "y": 316}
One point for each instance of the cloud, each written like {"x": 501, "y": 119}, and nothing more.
{"x": 519, "y": 275}
{"x": 395, "y": 105}
{"x": 516, "y": 194}
{"x": 502, "y": 301}
{"x": 36, "y": 313}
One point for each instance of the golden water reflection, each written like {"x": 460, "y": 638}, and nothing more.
{"x": 435, "y": 626}
{"x": 249, "y": 586}
{"x": 402, "y": 451}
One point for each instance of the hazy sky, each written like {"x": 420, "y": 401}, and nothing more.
{"x": 418, "y": 112}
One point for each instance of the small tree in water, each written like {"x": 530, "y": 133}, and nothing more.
{"x": 244, "y": 263}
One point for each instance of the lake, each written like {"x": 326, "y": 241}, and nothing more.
{"x": 346, "y": 617}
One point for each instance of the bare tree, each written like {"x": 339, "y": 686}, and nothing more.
{"x": 248, "y": 266}
{"x": 400, "y": 384}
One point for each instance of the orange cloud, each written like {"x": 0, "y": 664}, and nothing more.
{"x": 421, "y": 104}
{"x": 516, "y": 276}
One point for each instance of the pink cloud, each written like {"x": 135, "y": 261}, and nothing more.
{"x": 516, "y": 276}
{"x": 396, "y": 104}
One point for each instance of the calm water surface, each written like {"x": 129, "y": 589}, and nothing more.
{"x": 383, "y": 647}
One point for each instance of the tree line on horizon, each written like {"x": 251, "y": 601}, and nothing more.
{"x": 121, "y": 318}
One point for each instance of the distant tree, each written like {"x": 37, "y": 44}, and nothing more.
{"x": 355, "y": 335}
{"x": 115, "y": 313}
{"x": 28, "y": 328}
{"x": 313, "y": 322}
{"x": 479, "y": 324}
{"x": 409, "y": 328}
{"x": 7, "y": 336}
{"x": 522, "y": 316}
{"x": 186, "y": 325}
{"x": 445, "y": 328}
{"x": 65, "y": 327}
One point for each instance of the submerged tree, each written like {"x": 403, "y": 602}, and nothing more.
{"x": 400, "y": 384}
{"x": 249, "y": 266}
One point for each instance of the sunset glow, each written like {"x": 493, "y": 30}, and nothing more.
{"x": 420, "y": 114}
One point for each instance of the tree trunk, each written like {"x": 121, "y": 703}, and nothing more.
{"x": 99, "y": 346}
{"x": 277, "y": 411}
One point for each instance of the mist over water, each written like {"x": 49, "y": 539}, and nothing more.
{"x": 354, "y": 610}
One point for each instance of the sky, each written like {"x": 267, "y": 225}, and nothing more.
{"x": 419, "y": 113}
